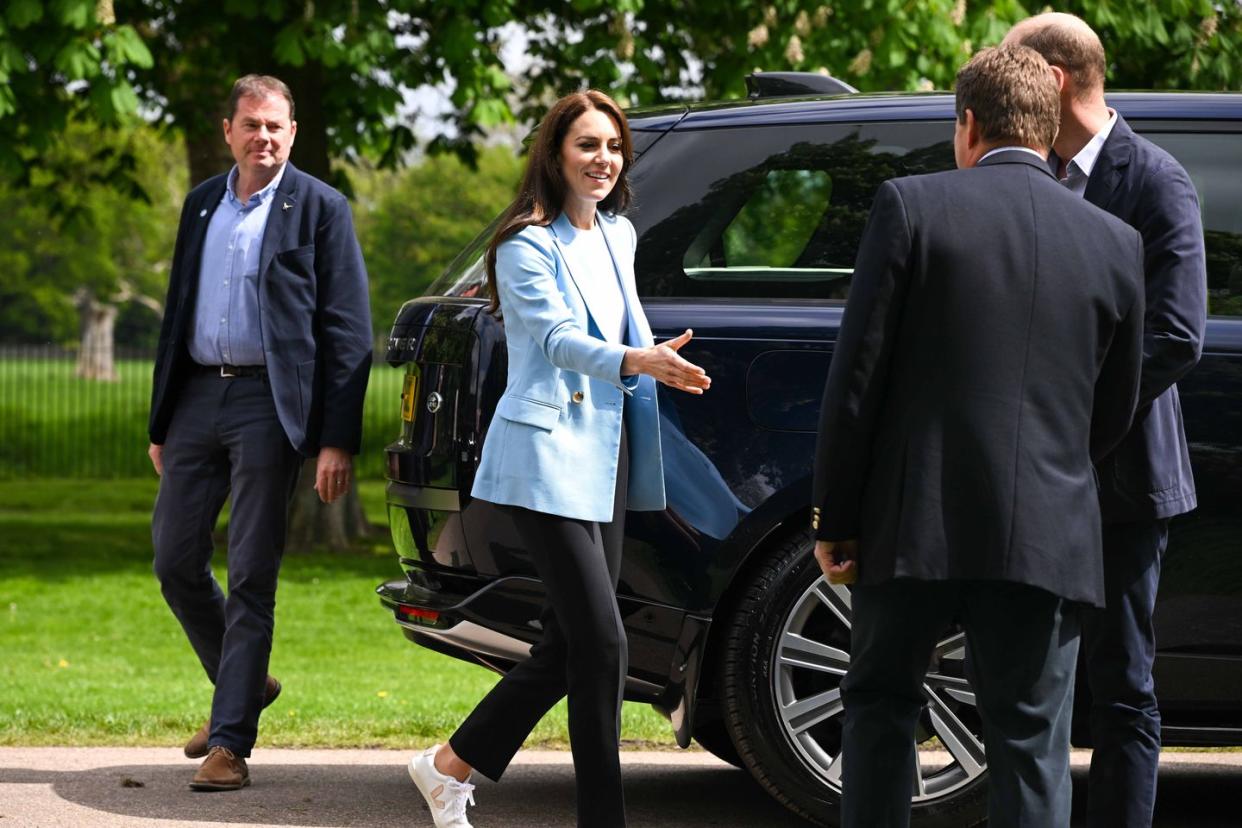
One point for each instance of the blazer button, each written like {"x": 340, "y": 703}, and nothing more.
{"x": 578, "y": 397}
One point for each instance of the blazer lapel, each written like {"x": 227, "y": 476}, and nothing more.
{"x": 1111, "y": 164}
{"x": 564, "y": 231}
{"x": 198, "y": 232}
{"x": 638, "y": 330}
{"x": 284, "y": 200}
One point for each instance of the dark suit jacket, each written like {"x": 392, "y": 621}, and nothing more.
{"x": 990, "y": 350}
{"x": 314, "y": 312}
{"x": 1149, "y": 474}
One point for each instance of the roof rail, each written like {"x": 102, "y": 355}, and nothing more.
{"x": 789, "y": 84}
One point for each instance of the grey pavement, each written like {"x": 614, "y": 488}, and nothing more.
{"x": 138, "y": 787}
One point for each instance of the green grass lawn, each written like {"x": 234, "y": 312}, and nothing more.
{"x": 53, "y": 424}
{"x": 91, "y": 655}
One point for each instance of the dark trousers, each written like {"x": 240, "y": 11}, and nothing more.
{"x": 1119, "y": 646}
{"x": 225, "y": 439}
{"x": 1022, "y": 645}
{"x": 582, "y": 654}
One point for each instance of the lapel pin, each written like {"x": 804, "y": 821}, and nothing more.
{"x": 285, "y": 206}
{"x": 202, "y": 212}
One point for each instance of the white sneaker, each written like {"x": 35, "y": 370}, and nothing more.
{"x": 446, "y": 797}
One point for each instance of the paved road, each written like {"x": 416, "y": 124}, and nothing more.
{"x": 108, "y": 787}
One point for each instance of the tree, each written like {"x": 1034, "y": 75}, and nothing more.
{"x": 63, "y": 61}
{"x": 79, "y": 255}
{"x": 414, "y": 223}
{"x": 657, "y": 50}
{"x": 346, "y": 62}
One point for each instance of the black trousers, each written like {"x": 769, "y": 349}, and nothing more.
{"x": 1022, "y": 643}
{"x": 225, "y": 438}
{"x": 582, "y": 654}
{"x": 1119, "y": 647}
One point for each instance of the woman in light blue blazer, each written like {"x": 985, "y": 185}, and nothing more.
{"x": 575, "y": 441}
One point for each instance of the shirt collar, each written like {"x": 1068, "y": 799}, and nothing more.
{"x": 1016, "y": 148}
{"x": 262, "y": 195}
{"x": 1089, "y": 154}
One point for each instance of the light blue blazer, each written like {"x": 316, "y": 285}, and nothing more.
{"x": 552, "y": 445}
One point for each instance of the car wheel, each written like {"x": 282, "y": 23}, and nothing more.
{"x": 786, "y": 651}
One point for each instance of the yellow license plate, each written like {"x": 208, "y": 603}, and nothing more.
{"x": 408, "y": 392}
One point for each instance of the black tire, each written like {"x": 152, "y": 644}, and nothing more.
{"x": 786, "y": 588}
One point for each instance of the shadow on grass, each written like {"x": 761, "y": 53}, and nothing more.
{"x": 63, "y": 530}
{"x": 77, "y": 546}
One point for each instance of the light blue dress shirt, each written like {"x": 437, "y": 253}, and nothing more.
{"x": 226, "y": 312}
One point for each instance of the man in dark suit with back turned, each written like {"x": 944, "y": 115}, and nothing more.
{"x": 990, "y": 349}
{"x": 1147, "y": 480}
{"x": 264, "y": 357}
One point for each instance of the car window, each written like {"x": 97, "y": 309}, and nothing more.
{"x": 769, "y": 212}
{"x": 1213, "y": 159}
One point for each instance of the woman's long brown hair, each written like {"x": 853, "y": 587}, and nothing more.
{"x": 541, "y": 196}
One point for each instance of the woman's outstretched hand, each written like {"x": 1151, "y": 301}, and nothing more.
{"x": 664, "y": 364}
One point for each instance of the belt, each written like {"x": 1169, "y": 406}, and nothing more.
{"x": 228, "y": 371}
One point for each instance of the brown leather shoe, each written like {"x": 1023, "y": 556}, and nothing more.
{"x": 196, "y": 748}
{"x": 222, "y": 770}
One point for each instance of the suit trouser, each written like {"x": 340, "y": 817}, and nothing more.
{"x": 1119, "y": 646}
{"x": 582, "y": 654}
{"x": 1023, "y": 646}
{"x": 225, "y": 438}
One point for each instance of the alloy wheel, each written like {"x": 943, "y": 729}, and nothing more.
{"x": 812, "y": 657}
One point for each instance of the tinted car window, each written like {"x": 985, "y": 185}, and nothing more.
{"x": 1213, "y": 159}
{"x": 769, "y": 212}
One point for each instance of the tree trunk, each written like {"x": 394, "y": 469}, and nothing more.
{"x": 310, "y": 149}
{"x": 97, "y": 321}
{"x": 314, "y": 524}
{"x": 207, "y": 154}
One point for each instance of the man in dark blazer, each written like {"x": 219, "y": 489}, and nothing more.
{"x": 990, "y": 349}
{"x": 1147, "y": 479}
{"x": 264, "y": 356}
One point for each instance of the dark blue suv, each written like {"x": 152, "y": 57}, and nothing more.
{"x": 749, "y": 214}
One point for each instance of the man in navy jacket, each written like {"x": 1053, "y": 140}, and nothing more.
{"x": 989, "y": 352}
{"x": 263, "y": 359}
{"x": 1147, "y": 479}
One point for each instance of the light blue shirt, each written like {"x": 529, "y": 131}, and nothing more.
{"x": 226, "y": 312}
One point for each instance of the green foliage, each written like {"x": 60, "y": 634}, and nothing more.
{"x": 59, "y": 62}
{"x": 354, "y": 58}
{"x": 128, "y": 677}
{"x": 80, "y": 221}
{"x": 695, "y": 47}
{"x": 1175, "y": 44}
{"x": 411, "y": 224}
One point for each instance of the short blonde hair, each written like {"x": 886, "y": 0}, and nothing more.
{"x": 1013, "y": 94}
